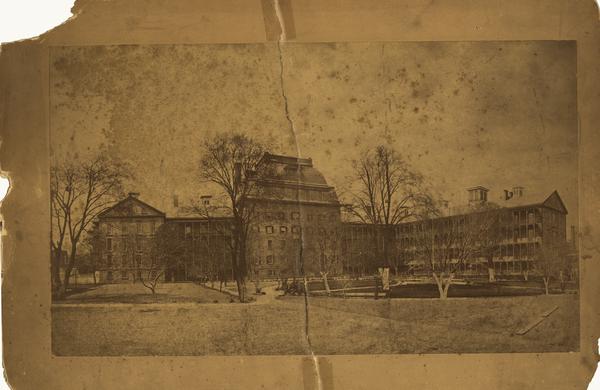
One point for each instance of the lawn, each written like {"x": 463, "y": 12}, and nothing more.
{"x": 428, "y": 289}
{"x": 137, "y": 293}
{"x": 336, "y": 326}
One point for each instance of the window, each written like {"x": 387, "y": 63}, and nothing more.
{"x": 295, "y": 215}
{"x": 138, "y": 244}
{"x": 109, "y": 244}
{"x": 152, "y": 227}
{"x": 124, "y": 228}
{"x": 123, "y": 261}
{"x": 138, "y": 261}
{"x": 296, "y": 229}
{"x": 124, "y": 275}
{"x": 256, "y": 228}
{"x": 280, "y": 216}
{"x": 269, "y": 229}
{"x": 270, "y": 244}
{"x": 109, "y": 276}
{"x": 310, "y": 217}
{"x": 270, "y": 259}
{"x": 283, "y": 229}
{"x": 109, "y": 229}
{"x": 268, "y": 216}
{"x": 139, "y": 228}
{"x": 109, "y": 260}
{"x": 124, "y": 244}
{"x": 282, "y": 244}
{"x": 530, "y": 217}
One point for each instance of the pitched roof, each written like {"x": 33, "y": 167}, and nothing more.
{"x": 552, "y": 201}
{"x": 293, "y": 170}
{"x": 126, "y": 208}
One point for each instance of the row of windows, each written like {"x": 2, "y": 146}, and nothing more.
{"x": 282, "y": 229}
{"x": 517, "y": 250}
{"x": 295, "y": 216}
{"x": 111, "y": 229}
{"x": 125, "y": 261}
{"x": 519, "y": 217}
{"x": 269, "y": 259}
{"x": 521, "y": 231}
{"x": 112, "y": 244}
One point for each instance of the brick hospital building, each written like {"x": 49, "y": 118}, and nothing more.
{"x": 298, "y": 223}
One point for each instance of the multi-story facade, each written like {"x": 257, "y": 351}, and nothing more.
{"x": 523, "y": 224}
{"x": 296, "y": 229}
{"x": 296, "y": 211}
{"x": 122, "y": 239}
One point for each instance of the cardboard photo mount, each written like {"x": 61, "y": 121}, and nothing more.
{"x": 24, "y": 157}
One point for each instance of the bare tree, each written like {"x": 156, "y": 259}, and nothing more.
{"x": 80, "y": 190}
{"x": 386, "y": 192}
{"x": 551, "y": 262}
{"x": 231, "y": 162}
{"x": 168, "y": 250}
{"x": 329, "y": 242}
{"x": 63, "y": 179}
{"x": 445, "y": 245}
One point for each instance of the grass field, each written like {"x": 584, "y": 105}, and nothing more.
{"x": 336, "y": 326}
{"x": 137, "y": 293}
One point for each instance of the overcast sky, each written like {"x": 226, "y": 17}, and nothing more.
{"x": 495, "y": 114}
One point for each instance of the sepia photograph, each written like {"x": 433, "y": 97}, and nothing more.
{"x": 314, "y": 198}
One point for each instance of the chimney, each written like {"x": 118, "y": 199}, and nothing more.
{"x": 477, "y": 195}
{"x": 518, "y": 191}
{"x": 206, "y": 200}
{"x": 134, "y": 194}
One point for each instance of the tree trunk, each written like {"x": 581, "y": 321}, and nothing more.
{"x": 55, "y": 270}
{"x": 546, "y": 283}
{"x": 491, "y": 274}
{"x": 257, "y": 285}
{"x": 68, "y": 269}
{"x": 241, "y": 286}
{"x": 562, "y": 281}
{"x": 443, "y": 284}
{"x": 65, "y": 286}
{"x": 326, "y": 283}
